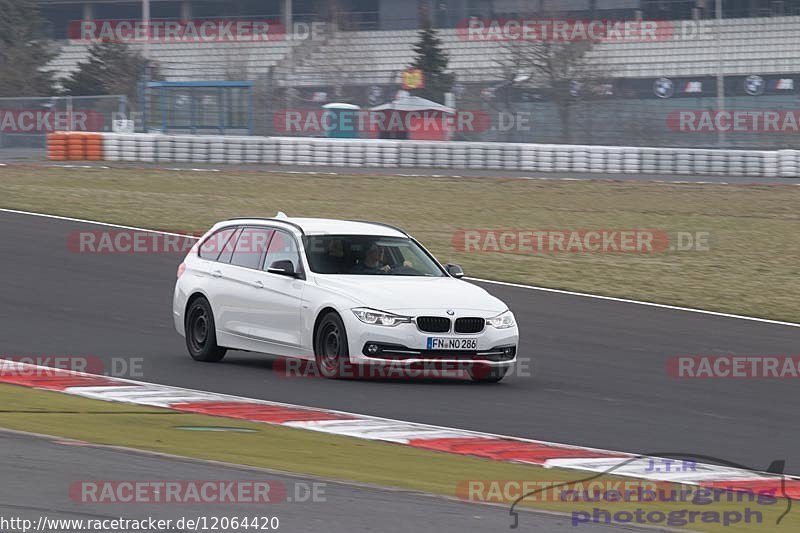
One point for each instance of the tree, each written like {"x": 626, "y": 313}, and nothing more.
{"x": 24, "y": 52}
{"x": 561, "y": 70}
{"x": 432, "y": 60}
{"x": 111, "y": 68}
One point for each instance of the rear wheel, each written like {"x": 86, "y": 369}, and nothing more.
{"x": 201, "y": 336}
{"x": 330, "y": 347}
{"x": 487, "y": 374}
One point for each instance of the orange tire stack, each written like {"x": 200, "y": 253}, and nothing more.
{"x": 76, "y": 146}
{"x": 94, "y": 146}
{"x": 57, "y": 146}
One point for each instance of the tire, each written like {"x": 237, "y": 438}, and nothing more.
{"x": 331, "y": 351}
{"x": 487, "y": 374}
{"x": 201, "y": 336}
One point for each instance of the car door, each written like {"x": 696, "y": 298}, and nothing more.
{"x": 260, "y": 308}
{"x": 237, "y": 277}
{"x": 279, "y": 298}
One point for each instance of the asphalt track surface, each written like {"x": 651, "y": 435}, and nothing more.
{"x": 598, "y": 367}
{"x": 37, "y": 474}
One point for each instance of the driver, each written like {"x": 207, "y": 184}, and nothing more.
{"x": 373, "y": 260}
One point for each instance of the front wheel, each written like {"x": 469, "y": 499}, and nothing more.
{"x": 487, "y": 374}
{"x": 201, "y": 335}
{"x": 330, "y": 347}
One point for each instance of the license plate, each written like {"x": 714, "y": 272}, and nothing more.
{"x": 439, "y": 343}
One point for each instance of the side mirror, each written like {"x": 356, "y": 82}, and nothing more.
{"x": 454, "y": 270}
{"x": 283, "y": 268}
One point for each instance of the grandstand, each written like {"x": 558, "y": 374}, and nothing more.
{"x": 370, "y": 46}
{"x": 757, "y": 45}
{"x": 752, "y": 45}
{"x": 194, "y": 61}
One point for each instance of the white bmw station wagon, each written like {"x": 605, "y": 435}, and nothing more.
{"x": 338, "y": 293}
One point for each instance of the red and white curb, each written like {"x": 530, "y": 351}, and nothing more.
{"x": 423, "y": 436}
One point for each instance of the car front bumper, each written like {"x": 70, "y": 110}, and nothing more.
{"x": 405, "y": 344}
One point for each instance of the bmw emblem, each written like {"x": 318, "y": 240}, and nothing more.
{"x": 664, "y": 88}
{"x": 754, "y": 85}
{"x": 451, "y": 312}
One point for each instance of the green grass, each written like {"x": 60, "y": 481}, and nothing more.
{"x": 751, "y": 267}
{"x": 307, "y": 452}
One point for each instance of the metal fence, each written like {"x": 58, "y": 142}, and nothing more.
{"x": 766, "y": 122}
{"x": 25, "y": 122}
{"x": 714, "y": 74}
{"x": 202, "y": 107}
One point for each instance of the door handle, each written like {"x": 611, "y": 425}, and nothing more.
{"x": 216, "y": 273}
{"x": 258, "y": 284}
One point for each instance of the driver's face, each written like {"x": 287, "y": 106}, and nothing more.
{"x": 373, "y": 254}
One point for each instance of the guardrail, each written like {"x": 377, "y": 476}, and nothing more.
{"x": 447, "y": 155}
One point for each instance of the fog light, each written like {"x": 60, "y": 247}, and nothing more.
{"x": 508, "y": 350}
{"x": 372, "y": 348}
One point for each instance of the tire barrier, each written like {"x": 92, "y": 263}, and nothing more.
{"x": 375, "y": 153}
{"x": 75, "y": 146}
{"x": 57, "y": 146}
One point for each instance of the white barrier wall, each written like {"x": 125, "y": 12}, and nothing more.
{"x": 449, "y": 155}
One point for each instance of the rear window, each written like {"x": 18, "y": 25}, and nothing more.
{"x": 283, "y": 248}
{"x": 212, "y": 247}
{"x": 251, "y": 247}
{"x": 227, "y": 250}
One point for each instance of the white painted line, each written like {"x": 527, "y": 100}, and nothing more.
{"x": 93, "y": 222}
{"x": 637, "y": 302}
{"x": 504, "y": 283}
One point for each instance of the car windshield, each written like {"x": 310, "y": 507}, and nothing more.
{"x": 369, "y": 255}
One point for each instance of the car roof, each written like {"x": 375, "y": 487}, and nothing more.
{"x": 325, "y": 226}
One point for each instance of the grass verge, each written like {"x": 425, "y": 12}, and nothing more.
{"x": 328, "y": 456}
{"x": 748, "y": 269}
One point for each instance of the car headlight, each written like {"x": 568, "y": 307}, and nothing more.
{"x": 504, "y": 320}
{"x": 379, "y": 318}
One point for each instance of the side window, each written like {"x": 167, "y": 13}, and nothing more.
{"x": 250, "y": 247}
{"x": 227, "y": 250}
{"x": 282, "y": 248}
{"x": 212, "y": 247}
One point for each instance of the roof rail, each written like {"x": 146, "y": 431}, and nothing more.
{"x": 271, "y": 219}
{"x": 382, "y": 224}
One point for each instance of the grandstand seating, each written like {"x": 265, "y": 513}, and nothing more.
{"x": 753, "y": 45}
{"x": 194, "y": 61}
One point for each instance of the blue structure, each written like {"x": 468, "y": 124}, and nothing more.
{"x": 224, "y": 107}
{"x": 343, "y": 121}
